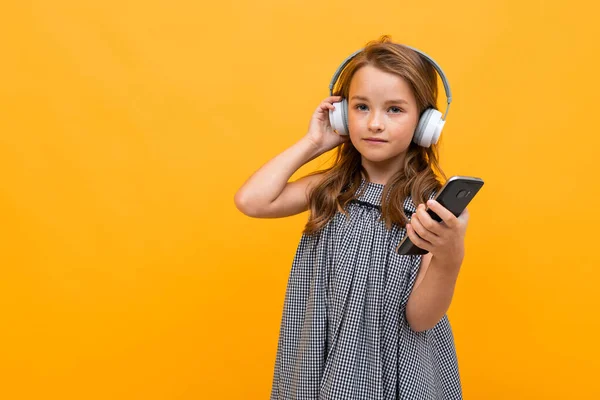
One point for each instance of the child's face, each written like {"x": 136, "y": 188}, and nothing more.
{"x": 381, "y": 106}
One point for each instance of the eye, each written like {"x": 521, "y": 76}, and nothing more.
{"x": 396, "y": 110}
{"x": 361, "y": 107}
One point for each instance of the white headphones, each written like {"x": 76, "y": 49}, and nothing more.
{"x": 430, "y": 124}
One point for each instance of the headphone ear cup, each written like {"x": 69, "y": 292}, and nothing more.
{"x": 338, "y": 118}
{"x": 429, "y": 128}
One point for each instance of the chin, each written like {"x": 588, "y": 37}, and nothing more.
{"x": 377, "y": 157}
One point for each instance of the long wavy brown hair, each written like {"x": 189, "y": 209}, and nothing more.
{"x": 416, "y": 178}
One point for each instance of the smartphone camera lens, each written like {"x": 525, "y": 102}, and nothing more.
{"x": 462, "y": 193}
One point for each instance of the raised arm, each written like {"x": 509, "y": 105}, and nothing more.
{"x": 267, "y": 193}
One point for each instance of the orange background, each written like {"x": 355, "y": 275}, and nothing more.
{"x": 126, "y": 127}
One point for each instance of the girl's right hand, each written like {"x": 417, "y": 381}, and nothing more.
{"x": 320, "y": 132}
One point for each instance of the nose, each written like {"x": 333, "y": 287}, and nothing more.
{"x": 375, "y": 123}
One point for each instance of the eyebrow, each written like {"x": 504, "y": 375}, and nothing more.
{"x": 397, "y": 101}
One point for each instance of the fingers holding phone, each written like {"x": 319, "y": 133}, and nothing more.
{"x": 423, "y": 230}
{"x": 449, "y": 208}
{"x": 443, "y": 239}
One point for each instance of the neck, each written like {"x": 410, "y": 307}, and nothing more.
{"x": 382, "y": 172}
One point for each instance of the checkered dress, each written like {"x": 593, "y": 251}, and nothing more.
{"x": 344, "y": 334}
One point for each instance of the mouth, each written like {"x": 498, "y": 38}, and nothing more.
{"x": 375, "y": 140}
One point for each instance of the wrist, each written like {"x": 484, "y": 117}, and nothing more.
{"x": 446, "y": 267}
{"x": 312, "y": 147}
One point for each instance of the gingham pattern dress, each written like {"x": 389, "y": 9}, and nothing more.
{"x": 344, "y": 334}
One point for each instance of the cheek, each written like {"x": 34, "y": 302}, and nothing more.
{"x": 405, "y": 124}
{"x": 354, "y": 124}
{"x": 414, "y": 121}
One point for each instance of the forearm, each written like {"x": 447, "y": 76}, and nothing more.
{"x": 430, "y": 301}
{"x": 266, "y": 184}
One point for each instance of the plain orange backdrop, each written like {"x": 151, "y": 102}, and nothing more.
{"x": 126, "y": 127}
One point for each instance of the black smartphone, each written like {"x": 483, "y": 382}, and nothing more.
{"x": 455, "y": 195}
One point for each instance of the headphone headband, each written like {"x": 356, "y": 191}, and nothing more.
{"x": 431, "y": 60}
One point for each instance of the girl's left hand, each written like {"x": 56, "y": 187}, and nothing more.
{"x": 444, "y": 240}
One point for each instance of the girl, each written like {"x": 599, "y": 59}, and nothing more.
{"x": 360, "y": 321}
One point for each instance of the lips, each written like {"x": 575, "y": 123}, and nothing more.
{"x": 375, "y": 140}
